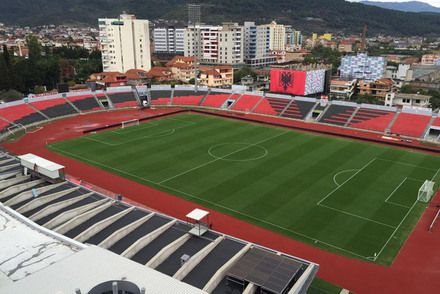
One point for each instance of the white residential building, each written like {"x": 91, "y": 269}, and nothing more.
{"x": 277, "y": 36}
{"x": 169, "y": 40}
{"x": 216, "y": 44}
{"x": 125, "y": 43}
{"x": 401, "y": 99}
{"x": 257, "y": 45}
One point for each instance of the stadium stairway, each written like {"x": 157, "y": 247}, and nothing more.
{"x": 71, "y": 104}
{"x": 426, "y": 131}
{"x": 21, "y": 114}
{"x": 85, "y": 103}
{"x": 371, "y": 119}
{"x": 387, "y": 130}
{"x": 298, "y": 109}
{"x": 412, "y": 125}
{"x": 337, "y": 114}
{"x": 98, "y": 101}
{"x": 216, "y": 99}
{"x": 352, "y": 116}
{"x": 136, "y": 95}
{"x": 272, "y": 106}
{"x": 234, "y": 98}
{"x": 54, "y": 108}
{"x": 245, "y": 103}
{"x": 40, "y": 112}
{"x": 256, "y": 105}
{"x": 204, "y": 98}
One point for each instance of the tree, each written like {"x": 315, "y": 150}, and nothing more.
{"x": 33, "y": 47}
{"x": 407, "y": 89}
{"x": 245, "y": 71}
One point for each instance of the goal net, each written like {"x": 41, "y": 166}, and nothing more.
{"x": 133, "y": 122}
{"x": 426, "y": 191}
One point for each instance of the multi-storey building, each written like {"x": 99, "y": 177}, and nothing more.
{"x": 362, "y": 66}
{"x": 293, "y": 40}
{"x": 342, "y": 89}
{"x": 169, "y": 40}
{"x": 277, "y": 36}
{"x": 216, "y": 44}
{"x": 125, "y": 43}
{"x": 379, "y": 88}
{"x": 431, "y": 59}
{"x": 257, "y": 45}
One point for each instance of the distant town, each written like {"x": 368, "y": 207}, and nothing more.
{"x": 120, "y": 51}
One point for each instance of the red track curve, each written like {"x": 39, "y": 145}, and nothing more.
{"x": 415, "y": 270}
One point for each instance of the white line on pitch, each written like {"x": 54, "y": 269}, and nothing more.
{"x": 346, "y": 180}
{"x": 386, "y": 200}
{"x": 219, "y": 158}
{"x": 404, "y": 163}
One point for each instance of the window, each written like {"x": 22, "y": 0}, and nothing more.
{"x": 418, "y": 101}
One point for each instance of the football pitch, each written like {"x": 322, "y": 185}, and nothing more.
{"x": 348, "y": 197}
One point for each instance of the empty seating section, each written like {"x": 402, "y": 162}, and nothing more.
{"x": 3, "y": 126}
{"x": 21, "y": 114}
{"x": 85, "y": 102}
{"x": 54, "y": 107}
{"x": 215, "y": 99}
{"x": 337, "y": 114}
{"x": 271, "y": 106}
{"x": 372, "y": 119}
{"x": 123, "y": 99}
{"x": 408, "y": 124}
{"x": 246, "y": 103}
{"x": 161, "y": 97}
{"x": 188, "y": 97}
{"x": 436, "y": 122}
{"x": 298, "y": 109}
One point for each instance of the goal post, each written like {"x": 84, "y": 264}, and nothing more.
{"x": 426, "y": 191}
{"x": 133, "y": 122}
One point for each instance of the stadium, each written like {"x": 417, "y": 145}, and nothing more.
{"x": 346, "y": 188}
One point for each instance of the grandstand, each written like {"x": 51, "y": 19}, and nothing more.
{"x": 161, "y": 95}
{"x": 246, "y": 103}
{"x": 20, "y": 113}
{"x": 216, "y": 98}
{"x": 272, "y": 105}
{"x": 409, "y": 124}
{"x": 186, "y": 96}
{"x": 84, "y": 102}
{"x": 85, "y": 226}
{"x": 123, "y": 99}
{"x": 54, "y": 107}
{"x": 299, "y": 108}
{"x": 338, "y": 114}
{"x": 373, "y": 118}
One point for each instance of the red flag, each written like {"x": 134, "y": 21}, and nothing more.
{"x": 288, "y": 81}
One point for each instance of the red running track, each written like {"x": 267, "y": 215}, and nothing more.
{"x": 415, "y": 270}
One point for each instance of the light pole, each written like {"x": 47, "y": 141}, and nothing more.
{"x": 194, "y": 19}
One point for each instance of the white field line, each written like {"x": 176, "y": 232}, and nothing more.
{"x": 386, "y": 243}
{"x": 99, "y": 141}
{"x": 404, "y": 163}
{"x": 386, "y": 200}
{"x": 357, "y": 216}
{"x": 341, "y": 172}
{"x": 141, "y": 126}
{"x": 219, "y": 158}
{"x": 264, "y": 221}
{"x": 329, "y": 194}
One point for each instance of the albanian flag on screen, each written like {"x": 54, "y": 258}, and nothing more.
{"x": 288, "y": 81}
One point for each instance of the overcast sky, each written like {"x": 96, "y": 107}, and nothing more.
{"x": 432, "y": 2}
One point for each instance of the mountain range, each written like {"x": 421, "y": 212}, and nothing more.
{"x": 308, "y": 16}
{"x": 411, "y": 6}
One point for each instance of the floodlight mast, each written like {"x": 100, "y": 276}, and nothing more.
{"x": 194, "y": 19}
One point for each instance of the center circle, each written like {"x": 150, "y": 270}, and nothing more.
{"x": 237, "y": 151}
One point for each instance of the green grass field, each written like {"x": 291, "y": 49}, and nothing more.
{"x": 352, "y": 198}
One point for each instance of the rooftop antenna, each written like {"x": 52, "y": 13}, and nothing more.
{"x": 194, "y": 19}
{"x": 364, "y": 37}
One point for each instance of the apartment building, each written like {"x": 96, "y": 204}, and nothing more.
{"x": 293, "y": 40}
{"x": 125, "y": 43}
{"x": 342, "y": 89}
{"x": 362, "y": 66}
{"x": 216, "y": 44}
{"x": 379, "y": 88}
{"x": 169, "y": 40}
{"x": 431, "y": 59}
{"x": 218, "y": 76}
{"x": 401, "y": 99}
{"x": 257, "y": 45}
{"x": 277, "y": 36}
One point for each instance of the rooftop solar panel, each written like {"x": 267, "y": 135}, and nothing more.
{"x": 270, "y": 271}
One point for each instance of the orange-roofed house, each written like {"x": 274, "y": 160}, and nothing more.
{"x": 217, "y": 76}
{"x": 182, "y": 59}
{"x": 160, "y": 73}
{"x": 108, "y": 79}
{"x": 342, "y": 89}
{"x": 378, "y": 88}
{"x": 345, "y": 46}
{"x": 136, "y": 77}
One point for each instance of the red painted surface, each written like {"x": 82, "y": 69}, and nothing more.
{"x": 415, "y": 270}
